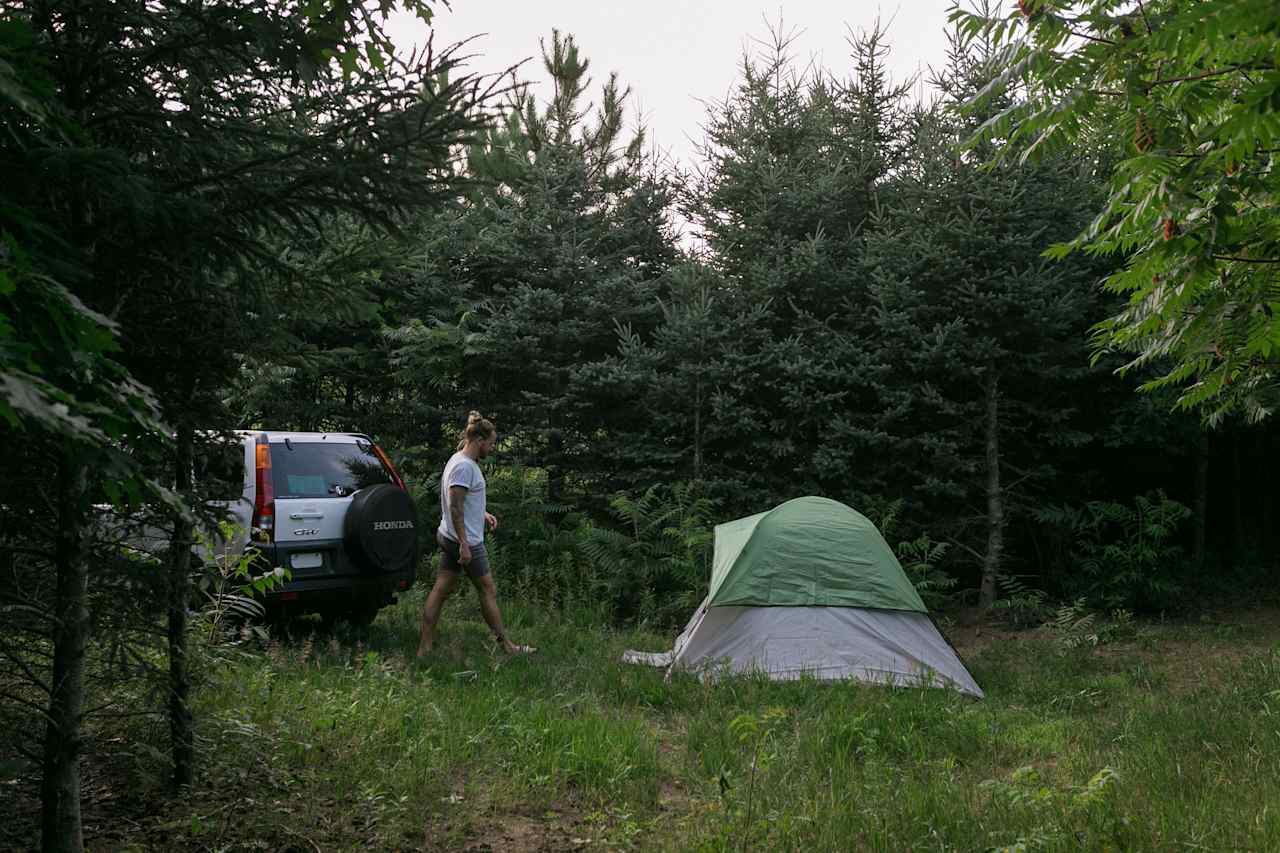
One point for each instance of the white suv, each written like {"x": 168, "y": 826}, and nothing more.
{"x": 332, "y": 509}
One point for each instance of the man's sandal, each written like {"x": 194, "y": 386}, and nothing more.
{"x": 516, "y": 648}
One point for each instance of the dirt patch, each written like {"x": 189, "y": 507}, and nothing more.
{"x": 1186, "y": 654}
{"x": 1236, "y": 632}
{"x": 553, "y": 832}
{"x": 1186, "y": 669}
{"x": 114, "y": 807}
{"x": 1261, "y": 623}
{"x": 672, "y": 797}
{"x": 1188, "y": 665}
{"x": 972, "y": 639}
{"x": 516, "y": 834}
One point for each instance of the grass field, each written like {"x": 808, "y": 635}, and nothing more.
{"x": 1167, "y": 739}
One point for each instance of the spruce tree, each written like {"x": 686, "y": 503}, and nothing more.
{"x": 983, "y": 336}
{"x": 566, "y": 236}
{"x": 796, "y": 163}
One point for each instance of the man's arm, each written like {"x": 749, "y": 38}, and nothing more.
{"x": 457, "y": 503}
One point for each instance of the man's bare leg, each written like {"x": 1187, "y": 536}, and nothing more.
{"x": 446, "y": 583}
{"x": 488, "y": 594}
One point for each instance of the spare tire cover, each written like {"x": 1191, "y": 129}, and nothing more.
{"x": 380, "y": 530}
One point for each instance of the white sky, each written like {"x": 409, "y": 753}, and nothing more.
{"x": 677, "y": 56}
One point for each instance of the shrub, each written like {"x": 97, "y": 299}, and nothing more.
{"x": 538, "y": 544}
{"x": 1124, "y": 555}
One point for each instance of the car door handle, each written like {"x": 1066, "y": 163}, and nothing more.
{"x": 297, "y": 516}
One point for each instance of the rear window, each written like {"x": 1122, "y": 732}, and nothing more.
{"x": 321, "y": 469}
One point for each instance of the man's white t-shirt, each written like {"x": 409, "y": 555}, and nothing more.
{"x": 462, "y": 470}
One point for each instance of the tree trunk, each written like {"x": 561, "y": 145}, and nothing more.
{"x": 60, "y": 788}
{"x": 1237, "y": 503}
{"x": 180, "y": 727}
{"x": 995, "y": 499}
{"x": 60, "y": 829}
{"x": 555, "y": 470}
{"x": 699, "y": 367}
{"x": 1201, "y": 518}
{"x": 697, "y": 426}
{"x": 1267, "y": 506}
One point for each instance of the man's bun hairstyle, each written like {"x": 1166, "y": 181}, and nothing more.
{"x": 478, "y": 428}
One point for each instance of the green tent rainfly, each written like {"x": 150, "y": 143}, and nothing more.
{"x": 808, "y": 552}
{"x": 811, "y": 588}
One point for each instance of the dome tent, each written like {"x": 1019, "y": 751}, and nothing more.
{"x": 812, "y": 588}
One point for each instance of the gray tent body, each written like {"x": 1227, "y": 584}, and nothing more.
{"x": 876, "y": 646}
{"x": 794, "y": 607}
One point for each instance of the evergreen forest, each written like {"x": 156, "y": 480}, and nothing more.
{"x": 1022, "y": 312}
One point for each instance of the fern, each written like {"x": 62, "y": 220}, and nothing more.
{"x": 919, "y": 558}
{"x": 1079, "y": 627}
{"x": 656, "y": 562}
{"x": 1075, "y": 623}
{"x": 1023, "y": 604}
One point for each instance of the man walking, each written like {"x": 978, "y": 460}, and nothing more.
{"x": 463, "y": 520}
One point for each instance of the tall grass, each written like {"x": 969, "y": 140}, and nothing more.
{"x": 1168, "y": 742}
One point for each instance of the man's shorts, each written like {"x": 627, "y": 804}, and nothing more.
{"x": 477, "y": 568}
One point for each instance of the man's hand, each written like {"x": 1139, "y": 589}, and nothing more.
{"x": 491, "y": 522}
{"x": 464, "y": 551}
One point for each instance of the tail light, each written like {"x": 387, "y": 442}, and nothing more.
{"x": 391, "y": 469}
{"x": 264, "y": 504}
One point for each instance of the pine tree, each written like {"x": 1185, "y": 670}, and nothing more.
{"x": 155, "y": 156}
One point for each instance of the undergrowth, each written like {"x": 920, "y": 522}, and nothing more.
{"x": 1163, "y": 738}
